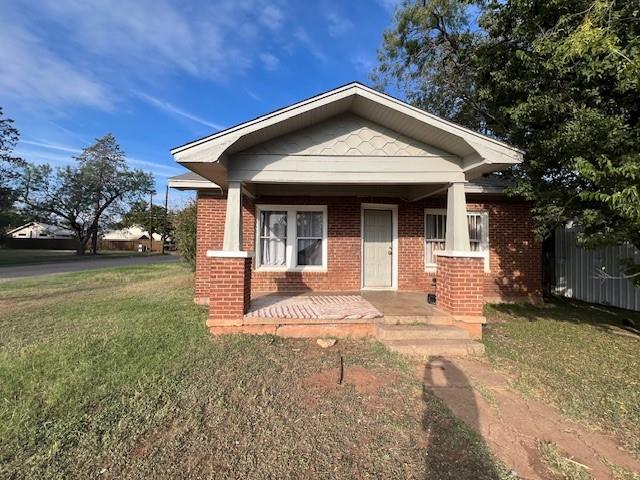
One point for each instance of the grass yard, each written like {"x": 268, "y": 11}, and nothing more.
{"x": 112, "y": 374}
{"x": 16, "y": 256}
{"x": 583, "y": 358}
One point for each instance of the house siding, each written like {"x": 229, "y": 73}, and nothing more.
{"x": 515, "y": 255}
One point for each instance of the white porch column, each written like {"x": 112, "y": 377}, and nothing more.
{"x": 233, "y": 219}
{"x": 457, "y": 237}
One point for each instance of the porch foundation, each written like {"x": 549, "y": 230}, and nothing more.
{"x": 230, "y": 287}
{"x": 460, "y": 289}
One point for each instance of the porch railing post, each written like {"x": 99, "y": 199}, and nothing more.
{"x": 457, "y": 236}
{"x": 233, "y": 219}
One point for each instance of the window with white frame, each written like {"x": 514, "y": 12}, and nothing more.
{"x": 292, "y": 237}
{"x": 436, "y": 230}
{"x": 273, "y": 237}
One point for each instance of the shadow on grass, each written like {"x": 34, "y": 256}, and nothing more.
{"x": 562, "y": 309}
{"x": 455, "y": 450}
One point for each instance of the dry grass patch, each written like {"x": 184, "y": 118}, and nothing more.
{"x": 112, "y": 374}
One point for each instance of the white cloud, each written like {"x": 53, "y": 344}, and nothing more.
{"x": 363, "y": 63}
{"x": 46, "y": 152}
{"x": 170, "y": 108}
{"x": 56, "y": 52}
{"x": 270, "y": 62}
{"x": 33, "y": 73}
{"x": 51, "y": 146}
{"x": 303, "y": 37}
{"x": 156, "y": 33}
{"x": 254, "y": 95}
{"x": 338, "y": 25}
{"x": 272, "y": 17}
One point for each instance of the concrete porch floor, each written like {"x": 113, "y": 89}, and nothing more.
{"x": 348, "y": 307}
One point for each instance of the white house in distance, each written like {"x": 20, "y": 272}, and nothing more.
{"x": 37, "y": 230}
{"x": 130, "y": 233}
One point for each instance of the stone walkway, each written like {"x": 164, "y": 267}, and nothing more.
{"x": 513, "y": 425}
{"x": 313, "y": 307}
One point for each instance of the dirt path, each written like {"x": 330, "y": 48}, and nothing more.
{"x": 513, "y": 425}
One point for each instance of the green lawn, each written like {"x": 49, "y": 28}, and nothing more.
{"x": 585, "y": 359}
{"x": 112, "y": 374}
{"x": 14, "y": 256}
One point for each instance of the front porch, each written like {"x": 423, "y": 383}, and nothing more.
{"x": 405, "y": 321}
{"x": 347, "y": 191}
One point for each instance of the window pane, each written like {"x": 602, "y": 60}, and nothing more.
{"x": 310, "y": 252}
{"x": 475, "y": 227}
{"x": 272, "y": 251}
{"x": 273, "y": 224}
{"x": 436, "y": 226}
{"x": 309, "y": 224}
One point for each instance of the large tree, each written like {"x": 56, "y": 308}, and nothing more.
{"x": 88, "y": 195}
{"x": 10, "y": 165}
{"x": 558, "y": 78}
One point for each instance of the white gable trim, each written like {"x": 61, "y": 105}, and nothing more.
{"x": 480, "y": 154}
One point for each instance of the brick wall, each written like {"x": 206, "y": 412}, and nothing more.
{"x": 230, "y": 293}
{"x": 515, "y": 255}
{"x": 343, "y": 249}
{"x": 460, "y": 289}
{"x": 210, "y": 234}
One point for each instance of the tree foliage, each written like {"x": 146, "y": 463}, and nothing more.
{"x": 10, "y": 165}
{"x": 86, "y": 196}
{"x": 185, "y": 222}
{"x": 558, "y": 78}
{"x": 153, "y": 221}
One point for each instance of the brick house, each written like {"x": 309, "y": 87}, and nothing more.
{"x": 353, "y": 191}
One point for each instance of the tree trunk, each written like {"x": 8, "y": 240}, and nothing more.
{"x": 94, "y": 241}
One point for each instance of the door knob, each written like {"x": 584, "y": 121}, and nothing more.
{"x": 390, "y": 251}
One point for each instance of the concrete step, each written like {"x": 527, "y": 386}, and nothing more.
{"x": 421, "y": 332}
{"x": 440, "y": 319}
{"x": 438, "y": 347}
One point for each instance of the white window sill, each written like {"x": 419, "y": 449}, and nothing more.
{"x": 434, "y": 269}
{"x": 293, "y": 269}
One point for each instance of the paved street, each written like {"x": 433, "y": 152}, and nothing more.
{"x": 14, "y": 272}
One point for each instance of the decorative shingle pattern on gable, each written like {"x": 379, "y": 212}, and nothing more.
{"x": 346, "y": 135}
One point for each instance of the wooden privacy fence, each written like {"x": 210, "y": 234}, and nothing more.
{"x": 593, "y": 275}
{"x": 129, "y": 245}
{"x": 42, "y": 243}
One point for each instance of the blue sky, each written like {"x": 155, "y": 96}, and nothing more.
{"x": 158, "y": 73}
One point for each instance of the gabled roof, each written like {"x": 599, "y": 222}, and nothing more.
{"x": 479, "y": 153}
{"x": 191, "y": 181}
{"x": 53, "y": 229}
{"x": 17, "y": 229}
{"x": 130, "y": 233}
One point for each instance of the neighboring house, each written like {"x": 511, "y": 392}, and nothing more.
{"x": 353, "y": 190}
{"x": 130, "y": 234}
{"x": 131, "y": 238}
{"x": 42, "y": 231}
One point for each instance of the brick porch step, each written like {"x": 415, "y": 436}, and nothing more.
{"x": 421, "y": 332}
{"x": 435, "y": 347}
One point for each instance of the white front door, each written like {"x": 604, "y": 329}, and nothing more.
{"x": 377, "y": 249}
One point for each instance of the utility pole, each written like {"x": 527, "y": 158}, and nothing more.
{"x": 150, "y": 232}
{"x": 166, "y": 217}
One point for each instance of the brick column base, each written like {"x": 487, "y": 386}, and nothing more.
{"x": 230, "y": 289}
{"x": 460, "y": 290}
